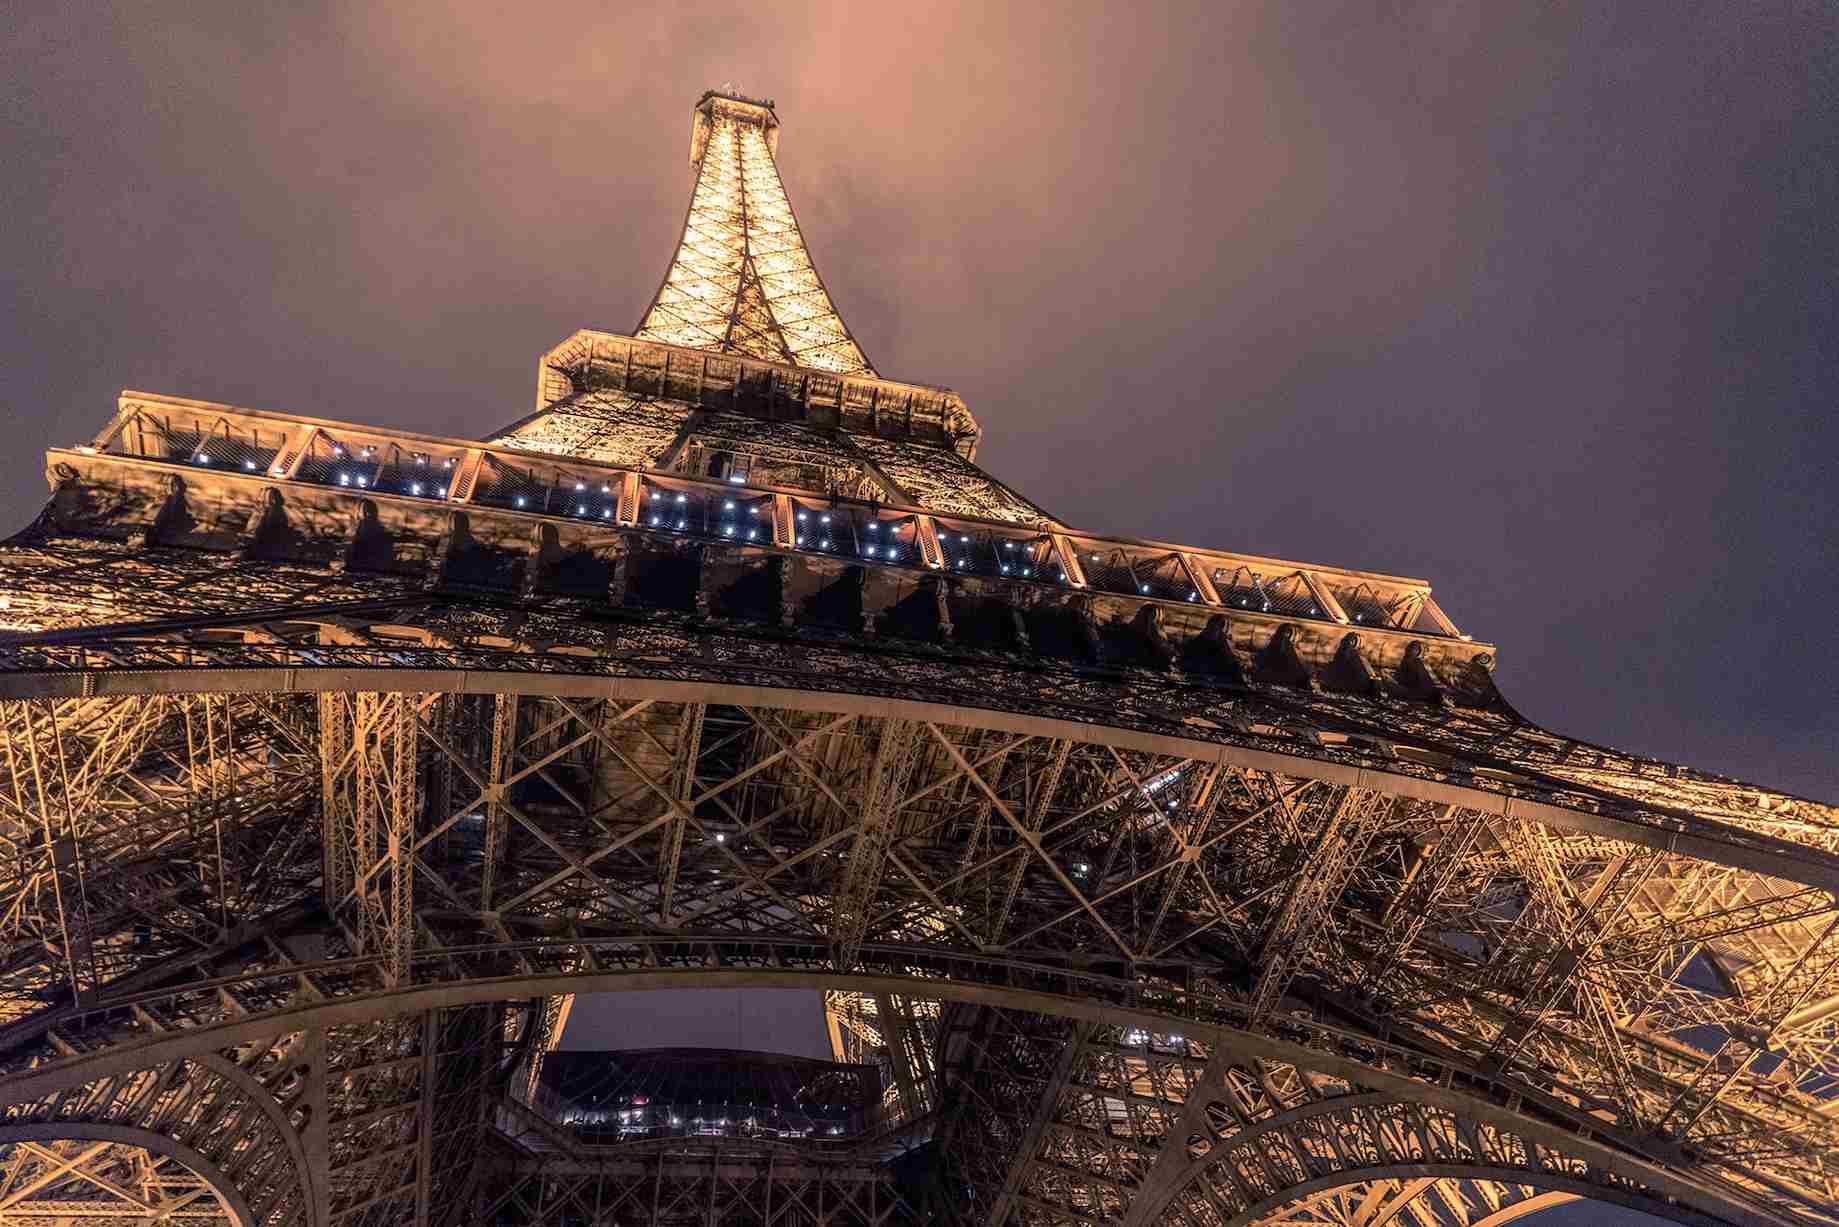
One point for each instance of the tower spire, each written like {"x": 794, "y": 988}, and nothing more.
{"x": 741, "y": 280}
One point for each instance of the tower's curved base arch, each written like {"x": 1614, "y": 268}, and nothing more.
{"x": 1410, "y": 1104}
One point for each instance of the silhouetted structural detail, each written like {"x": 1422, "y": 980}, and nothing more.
{"x": 1145, "y": 883}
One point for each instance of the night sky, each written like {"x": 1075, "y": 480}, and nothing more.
{"x": 1535, "y": 301}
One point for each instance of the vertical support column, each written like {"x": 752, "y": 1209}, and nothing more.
{"x": 504, "y": 734}
{"x": 1027, "y": 1150}
{"x": 898, "y": 1057}
{"x": 449, "y": 719}
{"x": 369, "y": 807}
{"x": 1315, "y": 887}
{"x": 1172, "y": 1166}
{"x": 313, "y": 1137}
{"x": 397, "y": 925}
{"x": 39, "y": 759}
{"x": 911, "y": 1055}
{"x": 552, "y": 1021}
{"x": 884, "y": 788}
{"x": 424, "y": 1117}
{"x": 336, "y": 799}
{"x": 855, "y": 1029}
{"x": 683, "y": 786}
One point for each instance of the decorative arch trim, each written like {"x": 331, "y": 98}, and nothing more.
{"x": 1224, "y": 1148}
{"x": 1551, "y": 1184}
{"x": 1532, "y": 1205}
{"x": 260, "y": 1095}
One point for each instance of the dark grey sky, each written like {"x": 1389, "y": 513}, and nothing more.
{"x": 1536, "y": 301}
{"x": 760, "y": 1019}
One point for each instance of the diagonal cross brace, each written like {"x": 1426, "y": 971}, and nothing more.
{"x": 1314, "y": 892}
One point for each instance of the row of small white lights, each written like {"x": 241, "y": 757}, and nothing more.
{"x": 362, "y": 482}
{"x": 1027, "y": 566}
{"x": 799, "y": 534}
{"x": 606, "y": 512}
{"x": 635, "y": 1114}
{"x": 657, "y": 520}
{"x": 1193, "y": 594}
{"x": 660, "y": 516}
{"x": 346, "y": 479}
{"x": 870, "y": 551}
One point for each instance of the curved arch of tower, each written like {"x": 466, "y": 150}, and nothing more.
{"x": 1152, "y": 883}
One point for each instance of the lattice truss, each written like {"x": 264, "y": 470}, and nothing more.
{"x": 943, "y": 481}
{"x": 613, "y": 427}
{"x": 741, "y": 280}
{"x": 102, "y": 1184}
{"x": 373, "y": 1124}
{"x": 743, "y": 1189}
{"x": 1065, "y": 1123}
{"x": 1554, "y": 971}
{"x": 895, "y": 1032}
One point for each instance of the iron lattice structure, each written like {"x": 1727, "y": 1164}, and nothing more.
{"x": 1164, "y": 884}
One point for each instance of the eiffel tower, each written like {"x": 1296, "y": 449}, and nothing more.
{"x": 1144, "y": 883}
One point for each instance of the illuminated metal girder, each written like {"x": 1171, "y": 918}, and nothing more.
{"x": 108, "y": 1184}
{"x": 371, "y": 805}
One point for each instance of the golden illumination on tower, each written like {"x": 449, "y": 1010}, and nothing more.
{"x": 741, "y": 280}
{"x": 1161, "y": 883}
